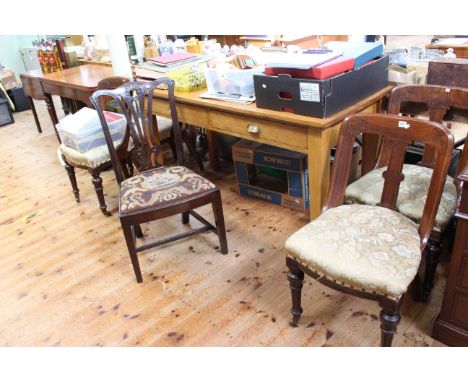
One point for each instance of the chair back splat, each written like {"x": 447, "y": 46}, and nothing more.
{"x": 136, "y": 99}
{"x": 437, "y": 99}
{"x": 398, "y": 133}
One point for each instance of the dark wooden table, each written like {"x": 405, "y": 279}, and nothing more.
{"x": 76, "y": 84}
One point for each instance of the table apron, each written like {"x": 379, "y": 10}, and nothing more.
{"x": 67, "y": 92}
{"x": 277, "y": 134}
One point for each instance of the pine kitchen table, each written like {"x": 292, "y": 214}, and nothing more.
{"x": 312, "y": 136}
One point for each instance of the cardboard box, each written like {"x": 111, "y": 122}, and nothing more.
{"x": 271, "y": 174}
{"x": 279, "y": 176}
{"x": 320, "y": 98}
{"x": 8, "y": 78}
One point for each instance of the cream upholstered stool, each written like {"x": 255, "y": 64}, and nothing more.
{"x": 438, "y": 100}
{"x": 373, "y": 252}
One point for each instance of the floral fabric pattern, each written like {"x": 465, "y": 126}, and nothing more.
{"x": 365, "y": 247}
{"x": 411, "y": 196}
{"x": 160, "y": 186}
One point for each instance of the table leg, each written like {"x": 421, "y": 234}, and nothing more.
{"x": 36, "y": 119}
{"x": 213, "y": 151}
{"x": 52, "y": 113}
{"x": 319, "y": 146}
{"x": 370, "y": 148}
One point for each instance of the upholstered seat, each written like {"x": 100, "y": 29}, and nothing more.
{"x": 92, "y": 158}
{"x": 160, "y": 186}
{"x": 411, "y": 196}
{"x": 365, "y": 247}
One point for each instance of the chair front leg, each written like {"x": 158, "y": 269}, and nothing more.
{"x": 296, "y": 279}
{"x": 389, "y": 320}
{"x": 127, "y": 230}
{"x": 217, "y": 205}
{"x": 71, "y": 175}
{"x": 97, "y": 182}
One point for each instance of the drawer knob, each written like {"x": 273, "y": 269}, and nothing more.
{"x": 253, "y": 129}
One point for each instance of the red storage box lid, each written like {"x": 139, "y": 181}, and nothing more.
{"x": 326, "y": 70}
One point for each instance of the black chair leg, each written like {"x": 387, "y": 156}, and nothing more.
{"x": 432, "y": 254}
{"x": 127, "y": 230}
{"x": 192, "y": 150}
{"x": 138, "y": 231}
{"x": 185, "y": 217}
{"x": 124, "y": 167}
{"x": 389, "y": 320}
{"x": 72, "y": 177}
{"x": 97, "y": 182}
{"x": 219, "y": 222}
{"x": 296, "y": 279}
{"x": 130, "y": 165}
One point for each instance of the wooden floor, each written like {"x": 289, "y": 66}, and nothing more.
{"x": 66, "y": 278}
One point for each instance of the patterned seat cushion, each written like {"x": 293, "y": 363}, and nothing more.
{"x": 411, "y": 196}
{"x": 160, "y": 186}
{"x": 365, "y": 247}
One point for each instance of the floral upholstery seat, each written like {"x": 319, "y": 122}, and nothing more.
{"x": 92, "y": 158}
{"x": 368, "y": 248}
{"x": 159, "y": 186}
{"x": 412, "y": 194}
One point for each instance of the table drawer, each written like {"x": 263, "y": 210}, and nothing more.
{"x": 290, "y": 137}
{"x": 276, "y": 134}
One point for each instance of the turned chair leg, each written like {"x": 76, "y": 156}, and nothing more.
{"x": 389, "y": 320}
{"x": 97, "y": 182}
{"x": 296, "y": 279}
{"x": 127, "y": 230}
{"x": 219, "y": 222}
{"x": 432, "y": 254}
{"x": 138, "y": 231}
{"x": 72, "y": 177}
{"x": 185, "y": 217}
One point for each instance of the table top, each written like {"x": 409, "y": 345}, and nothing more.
{"x": 85, "y": 77}
{"x": 251, "y": 110}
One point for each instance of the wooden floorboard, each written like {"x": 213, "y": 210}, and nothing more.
{"x": 66, "y": 278}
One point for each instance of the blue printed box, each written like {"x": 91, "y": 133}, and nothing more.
{"x": 272, "y": 174}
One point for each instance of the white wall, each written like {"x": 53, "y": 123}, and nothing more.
{"x": 9, "y": 51}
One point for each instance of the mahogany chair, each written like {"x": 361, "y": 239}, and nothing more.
{"x": 367, "y": 190}
{"x": 156, "y": 193}
{"x": 372, "y": 252}
{"x": 98, "y": 159}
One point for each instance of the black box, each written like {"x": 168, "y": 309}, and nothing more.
{"x": 320, "y": 98}
{"x": 19, "y": 99}
{"x": 6, "y": 118}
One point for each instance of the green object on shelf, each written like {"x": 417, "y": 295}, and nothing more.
{"x": 273, "y": 172}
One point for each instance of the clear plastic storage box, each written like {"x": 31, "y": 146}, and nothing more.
{"x": 231, "y": 81}
{"x": 82, "y": 131}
